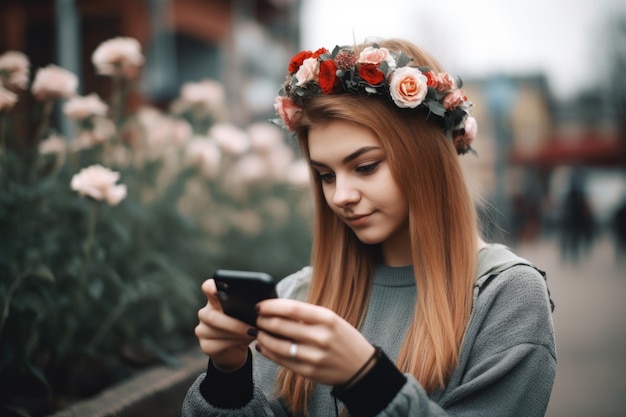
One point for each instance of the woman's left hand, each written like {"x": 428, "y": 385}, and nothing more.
{"x": 329, "y": 349}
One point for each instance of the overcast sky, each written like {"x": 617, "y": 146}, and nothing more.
{"x": 566, "y": 39}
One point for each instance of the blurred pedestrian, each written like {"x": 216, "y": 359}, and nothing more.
{"x": 406, "y": 310}
{"x": 619, "y": 231}
{"x": 577, "y": 222}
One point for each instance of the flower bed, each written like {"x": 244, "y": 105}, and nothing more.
{"x": 108, "y": 231}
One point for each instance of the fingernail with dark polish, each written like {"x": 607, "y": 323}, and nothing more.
{"x": 253, "y": 332}
{"x": 258, "y": 348}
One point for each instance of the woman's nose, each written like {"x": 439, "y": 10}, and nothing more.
{"x": 345, "y": 193}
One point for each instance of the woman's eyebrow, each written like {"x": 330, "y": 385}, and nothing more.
{"x": 350, "y": 157}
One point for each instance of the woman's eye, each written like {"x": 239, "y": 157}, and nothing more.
{"x": 368, "y": 169}
{"x": 327, "y": 177}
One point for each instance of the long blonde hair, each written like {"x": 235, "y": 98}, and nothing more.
{"x": 442, "y": 227}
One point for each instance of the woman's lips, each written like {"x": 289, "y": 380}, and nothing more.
{"x": 358, "y": 220}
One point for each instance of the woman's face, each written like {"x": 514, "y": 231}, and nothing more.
{"x": 358, "y": 186}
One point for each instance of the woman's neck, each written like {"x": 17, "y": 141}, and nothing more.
{"x": 398, "y": 253}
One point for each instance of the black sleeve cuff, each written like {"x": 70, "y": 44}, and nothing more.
{"x": 372, "y": 393}
{"x": 228, "y": 389}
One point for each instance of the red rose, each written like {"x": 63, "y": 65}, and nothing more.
{"x": 319, "y": 52}
{"x": 370, "y": 74}
{"x": 327, "y": 77}
{"x": 297, "y": 60}
{"x": 431, "y": 78}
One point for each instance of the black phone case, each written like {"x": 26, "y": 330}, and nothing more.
{"x": 240, "y": 291}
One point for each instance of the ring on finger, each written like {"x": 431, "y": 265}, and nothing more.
{"x": 293, "y": 351}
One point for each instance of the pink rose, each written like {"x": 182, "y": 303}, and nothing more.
{"x": 53, "y": 82}
{"x": 14, "y": 69}
{"x": 231, "y": 139}
{"x": 98, "y": 183}
{"x": 264, "y": 137}
{"x": 82, "y": 107}
{"x": 288, "y": 111}
{"x": 119, "y": 56}
{"x": 308, "y": 71}
{"x": 54, "y": 145}
{"x": 471, "y": 129}
{"x": 453, "y": 100}
{"x": 445, "y": 82}
{"x": 371, "y": 55}
{"x": 408, "y": 87}
{"x": 102, "y": 129}
{"x": 463, "y": 142}
{"x": 204, "y": 154}
{"x": 204, "y": 95}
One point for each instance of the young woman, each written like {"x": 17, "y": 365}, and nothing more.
{"x": 404, "y": 310}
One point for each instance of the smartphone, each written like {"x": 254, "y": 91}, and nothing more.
{"x": 240, "y": 291}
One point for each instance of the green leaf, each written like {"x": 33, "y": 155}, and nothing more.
{"x": 436, "y": 108}
{"x": 42, "y": 273}
{"x": 403, "y": 60}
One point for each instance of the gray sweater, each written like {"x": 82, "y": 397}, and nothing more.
{"x": 508, "y": 357}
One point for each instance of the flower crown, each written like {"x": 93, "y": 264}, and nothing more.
{"x": 377, "y": 71}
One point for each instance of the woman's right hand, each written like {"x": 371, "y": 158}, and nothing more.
{"x": 224, "y": 339}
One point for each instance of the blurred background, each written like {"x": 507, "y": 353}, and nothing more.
{"x": 546, "y": 79}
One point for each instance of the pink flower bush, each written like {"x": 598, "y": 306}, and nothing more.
{"x": 161, "y": 171}
{"x": 98, "y": 183}
{"x": 119, "y": 56}
{"x": 53, "y": 82}
{"x": 408, "y": 87}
